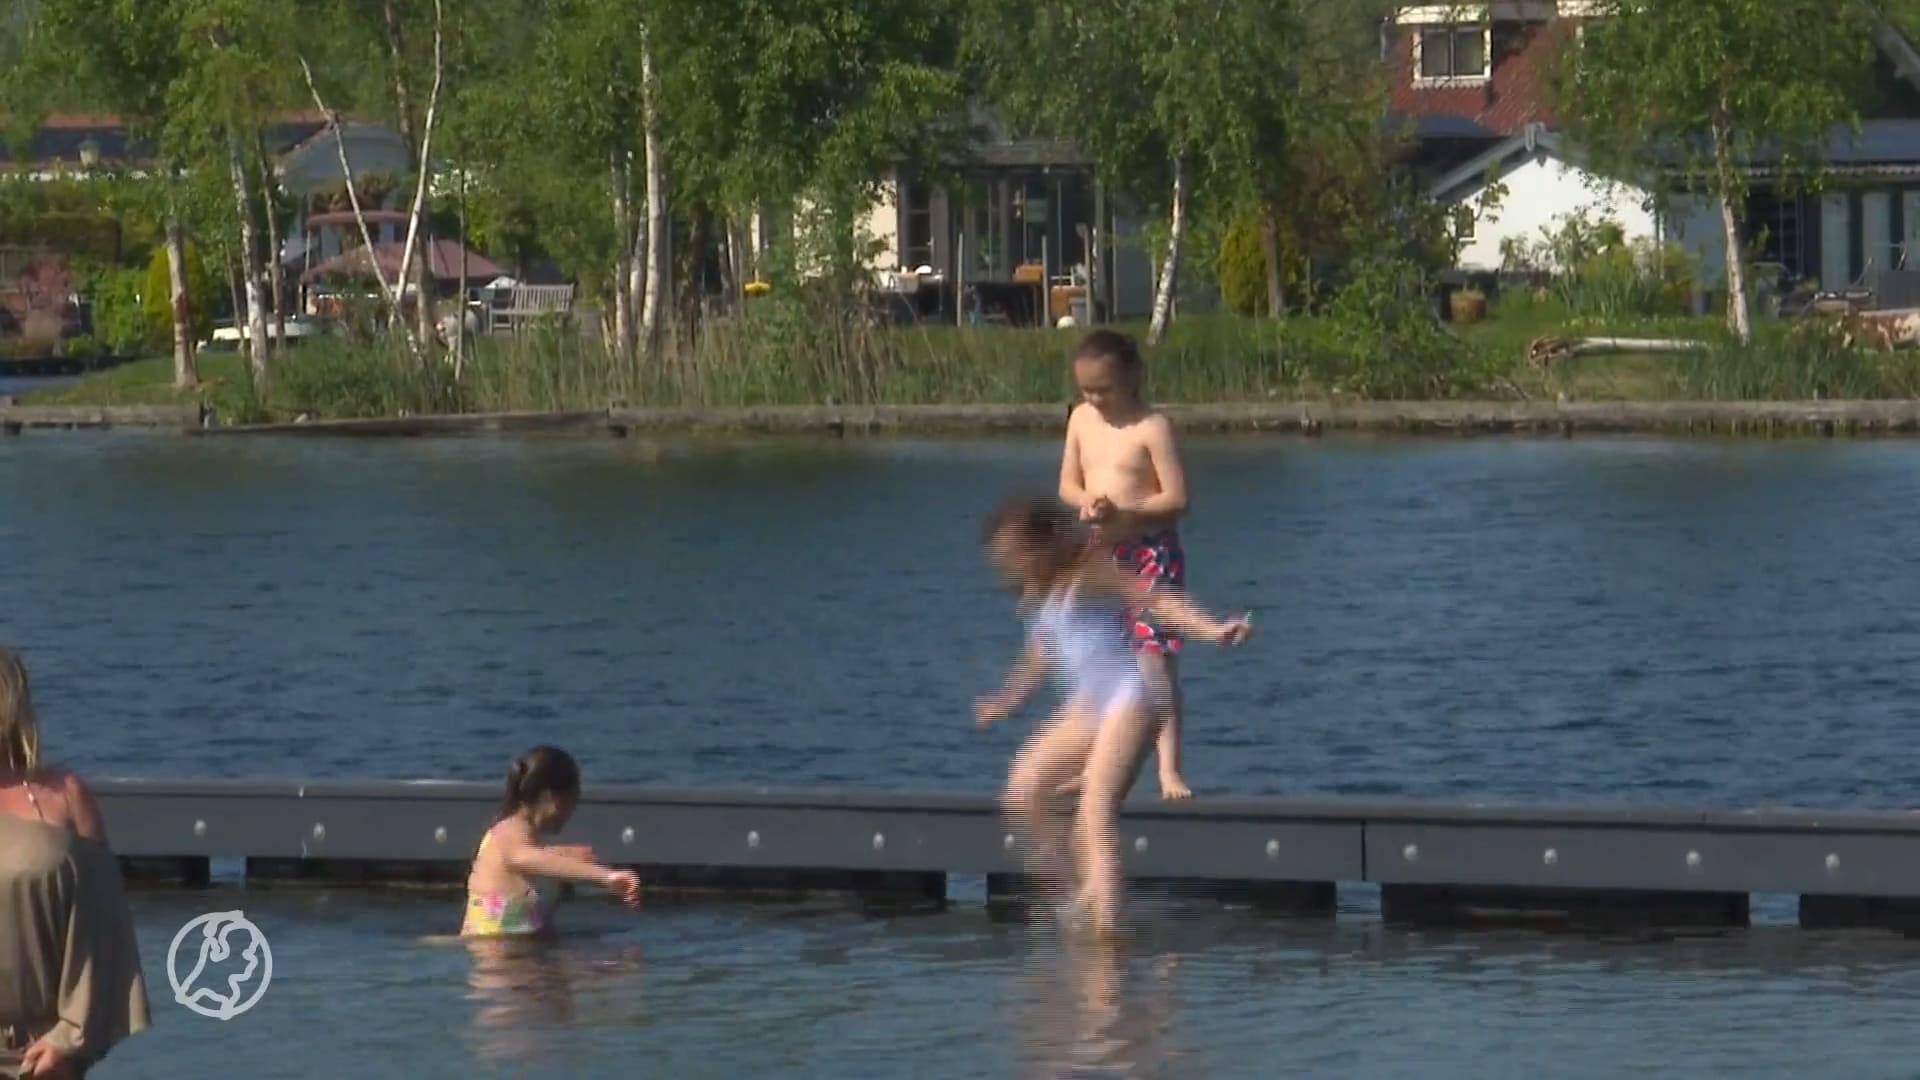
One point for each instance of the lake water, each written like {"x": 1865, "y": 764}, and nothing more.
{"x": 733, "y": 992}
{"x": 1619, "y": 620}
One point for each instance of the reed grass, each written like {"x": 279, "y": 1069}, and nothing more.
{"x": 778, "y": 359}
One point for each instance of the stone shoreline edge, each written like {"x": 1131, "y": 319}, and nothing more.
{"x": 1751, "y": 418}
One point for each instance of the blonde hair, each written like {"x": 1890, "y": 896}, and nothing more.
{"x": 19, "y": 728}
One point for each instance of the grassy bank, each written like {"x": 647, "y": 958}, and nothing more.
{"x": 1206, "y": 359}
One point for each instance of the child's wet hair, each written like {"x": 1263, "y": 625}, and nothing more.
{"x": 541, "y": 771}
{"x": 1111, "y": 345}
{"x": 1037, "y": 524}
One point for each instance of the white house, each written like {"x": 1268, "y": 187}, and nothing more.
{"x": 1472, "y": 77}
{"x": 1528, "y": 185}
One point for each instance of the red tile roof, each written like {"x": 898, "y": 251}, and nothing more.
{"x": 1515, "y": 96}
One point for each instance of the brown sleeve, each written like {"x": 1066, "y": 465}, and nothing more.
{"x": 102, "y": 992}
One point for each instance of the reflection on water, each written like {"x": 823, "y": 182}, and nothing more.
{"x": 1090, "y": 1007}
{"x": 773, "y": 992}
{"x": 523, "y": 990}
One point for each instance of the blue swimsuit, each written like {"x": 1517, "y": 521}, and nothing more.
{"x": 1090, "y": 648}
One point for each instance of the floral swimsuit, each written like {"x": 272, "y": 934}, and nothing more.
{"x": 495, "y": 914}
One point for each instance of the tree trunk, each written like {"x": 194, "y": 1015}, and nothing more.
{"x": 423, "y": 286}
{"x": 620, "y": 176}
{"x": 413, "y": 256}
{"x": 391, "y": 293}
{"x": 256, "y": 312}
{"x": 659, "y": 227}
{"x": 232, "y": 275}
{"x": 276, "y": 280}
{"x": 1096, "y": 253}
{"x": 635, "y": 286}
{"x": 186, "y": 371}
{"x": 1170, "y": 269}
{"x": 1276, "y": 271}
{"x": 761, "y": 237}
{"x": 460, "y": 320}
{"x": 693, "y": 279}
{"x": 403, "y": 109}
{"x": 1739, "y": 317}
{"x": 733, "y": 267}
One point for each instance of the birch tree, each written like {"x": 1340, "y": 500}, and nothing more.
{"x": 814, "y": 101}
{"x": 405, "y": 85}
{"x": 120, "y": 57}
{"x": 1169, "y": 97}
{"x": 1684, "y": 92}
{"x": 234, "y": 75}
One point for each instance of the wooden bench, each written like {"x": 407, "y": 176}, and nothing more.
{"x": 513, "y": 307}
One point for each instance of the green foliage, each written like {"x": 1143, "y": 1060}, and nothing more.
{"x": 91, "y": 235}
{"x": 1243, "y": 269}
{"x": 810, "y": 99}
{"x": 1688, "y": 92}
{"x": 156, "y": 298}
{"x": 1383, "y": 340}
{"x": 1597, "y": 273}
{"x": 331, "y": 379}
{"x": 120, "y": 326}
{"x": 1655, "y": 83}
{"x": 1808, "y": 359}
{"x": 73, "y": 218}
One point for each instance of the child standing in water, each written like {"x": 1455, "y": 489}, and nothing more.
{"x": 1082, "y": 607}
{"x": 1120, "y": 471}
{"x": 543, "y": 787}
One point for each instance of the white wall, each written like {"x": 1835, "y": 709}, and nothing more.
{"x": 881, "y": 223}
{"x": 1541, "y": 193}
{"x": 878, "y": 227}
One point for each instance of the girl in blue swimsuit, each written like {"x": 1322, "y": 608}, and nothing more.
{"x": 1082, "y": 611}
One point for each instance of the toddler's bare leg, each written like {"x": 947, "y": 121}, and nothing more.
{"x": 1055, "y": 753}
{"x": 1163, "y": 688}
{"x": 1110, "y": 768}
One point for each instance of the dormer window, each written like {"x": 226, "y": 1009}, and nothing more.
{"x": 1451, "y": 55}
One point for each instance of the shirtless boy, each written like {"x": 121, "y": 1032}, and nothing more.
{"x": 1121, "y": 471}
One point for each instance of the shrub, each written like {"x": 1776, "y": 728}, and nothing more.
{"x": 119, "y": 323}
{"x": 1385, "y": 343}
{"x": 1243, "y": 269}
{"x": 1598, "y": 273}
{"x": 85, "y": 234}
{"x": 156, "y": 298}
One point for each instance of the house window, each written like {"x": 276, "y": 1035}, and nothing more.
{"x": 1451, "y": 54}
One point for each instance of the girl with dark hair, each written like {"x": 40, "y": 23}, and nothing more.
{"x": 543, "y": 787}
{"x": 1083, "y": 608}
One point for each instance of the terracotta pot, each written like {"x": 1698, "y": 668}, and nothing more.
{"x": 1467, "y": 307}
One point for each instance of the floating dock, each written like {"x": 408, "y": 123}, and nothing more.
{"x": 1434, "y": 863}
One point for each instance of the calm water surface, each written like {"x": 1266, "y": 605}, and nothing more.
{"x": 1628, "y": 620}
{"x": 742, "y": 992}
{"x": 1634, "y": 620}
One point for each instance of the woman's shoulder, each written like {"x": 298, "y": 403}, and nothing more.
{"x": 58, "y": 779}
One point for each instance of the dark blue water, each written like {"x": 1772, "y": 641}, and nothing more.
{"x": 1621, "y": 620}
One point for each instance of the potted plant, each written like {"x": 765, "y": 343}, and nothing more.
{"x": 1468, "y": 305}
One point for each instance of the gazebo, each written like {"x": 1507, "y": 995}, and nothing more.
{"x": 443, "y": 259}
